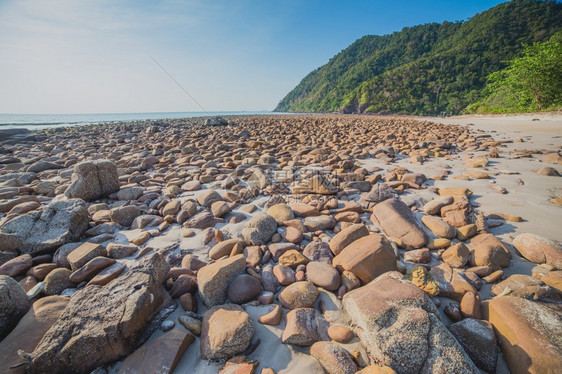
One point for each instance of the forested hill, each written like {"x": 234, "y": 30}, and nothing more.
{"x": 425, "y": 69}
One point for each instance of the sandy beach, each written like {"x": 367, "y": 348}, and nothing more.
{"x": 184, "y": 188}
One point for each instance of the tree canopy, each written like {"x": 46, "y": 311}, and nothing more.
{"x": 425, "y": 69}
{"x": 531, "y": 82}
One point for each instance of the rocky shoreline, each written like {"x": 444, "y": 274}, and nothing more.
{"x": 279, "y": 244}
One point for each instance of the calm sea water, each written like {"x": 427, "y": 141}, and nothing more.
{"x": 39, "y": 121}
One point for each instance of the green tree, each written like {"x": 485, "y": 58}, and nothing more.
{"x": 532, "y": 81}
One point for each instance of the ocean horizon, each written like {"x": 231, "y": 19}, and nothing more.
{"x": 41, "y": 121}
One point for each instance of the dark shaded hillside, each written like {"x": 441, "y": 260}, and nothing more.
{"x": 426, "y": 69}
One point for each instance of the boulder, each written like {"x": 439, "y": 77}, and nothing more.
{"x": 29, "y": 331}
{"x": 57, "y": 281}
{"x": 528, "y": 332}
{"x": 213, "y": 279}
{"x": 398, "y": 221}
{"x": 284, "y": 274}
{"x": 479, "y": 342}
{"x": 223, "y": 248}
{"x": 539, "y": 250}
{"x": 323, "y": 275}
{"x": 347, "y": 236}
{"x": 117, "y": 251}
{"x": 16, "y": 266}
{"x": 292, "y": 258}
{"x": 300, "y": 328}
{"x": 84, "y": 253}
{"x": 333, "y": 358}
{"x": 439, "y": 227}
{"x": 281, "y": 212}
{"x": 456, "y": 255}
{"x": 130, "y": 193}
{"x": 545, "y": 170}
{"x": 42, "y": 166}
{"x": 13, "y": 304}
{"x": 102, "y": 324}
{"x": 90, "y": 269}
{"x": 124, "y": 215}
{"x": 367, "y": 257}
{"x": 208, "y": 197}
{"x": 434, "y": 206}
{"x": 340, "y": 334}
{"x": 379, "y": 192}
{"x": 243, "y": 288}
{"x": 452, "y": 282}
{"x": 45, "y": 229}
{"x": 419, "y": 276}
{"x": 108, "y": 274}
{"x": 488, "y": 250}
{"x": 227, "y": 331}
{"x": 298, "y": 295}
{"x": 401, "y": 328}
{"x": 62, "y": 252}
{"x": 160, "y": 355}
{"x": 522, "y": 285}
{"x": 458, "y": 214}
{"x": 318, "y": 251}
{"x": 93, "y": 179}
{"x": 321, "y": 222}
{"x": 418, "y": 256}
{"x": 260, "y": 229}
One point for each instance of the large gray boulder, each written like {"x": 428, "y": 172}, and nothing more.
{"x": 13, "y": 304}
{"x": 45, "y": 229}
{"x": 103, "y": 323}
{"x": 260, "y": 229}
{"x": 93, "y": 179}
{"x": 400, "y": 327}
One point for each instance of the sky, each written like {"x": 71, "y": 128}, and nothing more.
{"x": 126, "y": 56}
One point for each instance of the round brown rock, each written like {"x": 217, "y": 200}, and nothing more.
{"x": 57, "y": 280}
{"x": 298, "y": 295}
{"x": 243, "y": 289}
{"x": 333, "y": 358}
{"x": 340, "y": 334}
{"x": 323, "y": 275}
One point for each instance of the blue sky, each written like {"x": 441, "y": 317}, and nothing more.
{"x": 67, "y": 56}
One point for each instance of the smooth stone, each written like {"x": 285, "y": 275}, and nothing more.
{"x": 298, "y": 295}
{"x": 479, "y": 341}
{"x": 213, "y": 279}
{"x": 13, "y": 304}
{"x": 340, "y": 334}
{"x": 333, "y": 358}
{"x": 227, "y": 331}
{"x": 243, "y": 288}
{"x": 57, "y": 281}
{"x": 367, "y": 257}
{"x": 29, "y": 331}
{"x": 346, "y": 237}
{"x": 84, "y": 253}
{"x": 323, "y": 275}
{"x": 273, "y": 317}
{"x": 397, "y": 221}
{"x": 300, "y": 328}
{"x": 528, "y": 344}
{"x": 160, "y": 355}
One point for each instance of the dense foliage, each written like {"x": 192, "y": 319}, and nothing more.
{"x": 532, "y": 82}
{"x": 426, "y": 69}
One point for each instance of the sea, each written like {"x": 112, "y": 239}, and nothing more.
{"x": 41, "y": 121}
